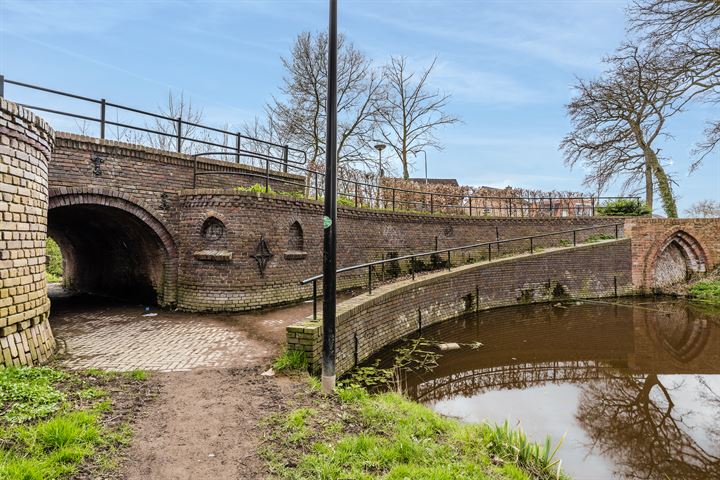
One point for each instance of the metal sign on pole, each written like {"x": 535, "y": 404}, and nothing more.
{"x": 330, "y": 211}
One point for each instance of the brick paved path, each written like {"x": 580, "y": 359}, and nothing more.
{"x": 120, "y": 338}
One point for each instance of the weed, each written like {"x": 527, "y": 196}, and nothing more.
{"x": 598, "y": 237}
{"x": 291, "y": 361}
{"x": 141, "y": 375}
{"x": 708, "y": 290}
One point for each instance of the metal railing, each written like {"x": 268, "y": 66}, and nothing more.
{"x": 351, "y": 192}
{"x": 448, "y": 252}
{"x": 178, "y": 126}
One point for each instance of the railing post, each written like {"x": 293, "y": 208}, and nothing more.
{"x": 369, "y": 279}
{"x": 412, "y": 267}
{"x": 432, "y": 203}
{"x": 510, "y": 207}
{"x": 616, "y": 231}
{"x": 238, "y": 136}
{"x": 195, "y": 172}
{"x": 2, "y": 85}
{"x": 178, "y": 141}
{"x": 489, "y": 252}
{"x": 574, "y": 238}
{"x": 531, "y": 245}
{"x": 102, "y": 118}
{"x": 314, "y": 299}
{"x": 592, "y": 203}
{"x": 267, "y": 175}
{"x": 470, "y": 199}
{"x": 449, "y": 261}
{"x": 356, "y": 194}
{"x": 286, "y": 155}
{"x": 393, "y": 199}
{"x": 551, "y": 206}
{"x": 316, "y": 186}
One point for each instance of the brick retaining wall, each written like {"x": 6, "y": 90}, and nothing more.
{"x": 26, "y": 143}
{"x": 397, "y": 309}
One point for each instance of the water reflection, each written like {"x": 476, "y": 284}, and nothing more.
{"x": 634, "y": 385}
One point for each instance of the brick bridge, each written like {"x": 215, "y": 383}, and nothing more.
{"x": 130, "y": 224}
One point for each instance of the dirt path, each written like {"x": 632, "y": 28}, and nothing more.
{"x": 204, "y": 423}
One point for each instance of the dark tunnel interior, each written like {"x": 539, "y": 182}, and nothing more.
{"x": 108, "y": 251}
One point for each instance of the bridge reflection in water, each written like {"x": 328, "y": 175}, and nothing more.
{"x": 634, "y": 384}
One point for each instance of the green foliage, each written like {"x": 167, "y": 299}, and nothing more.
{"x": 141, "y": 375}
{"x": 43, "y": 436}
{"x": 707, "y": 290}
{"x": 291, "y": 361}
{"x": 27, "y": 393}
{"x": 598, "y": 237}
{"x": 513, "y": 445}
{"x": 624, "y": 207}
{"x": 54, "y": 268}
{"x": 387, "y": 436}
{"x": 345, "y": 201}
{"x": 259, "y": 188}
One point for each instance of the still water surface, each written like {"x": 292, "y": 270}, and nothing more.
{"x": 633, "y": 385}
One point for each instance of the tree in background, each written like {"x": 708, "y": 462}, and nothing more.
{"x": 299, "y": 115}
{"x": 411, "y": 111}
{"x": 690, "y": 29}
{"x": 704, "y": 209}
{"x": 620, "y": 118}
{"x": 177, "y": 106}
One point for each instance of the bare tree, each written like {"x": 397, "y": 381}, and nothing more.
{"x": 413, "y": 112}
{"x": 691, "y": 30}
{"x": 299, "y": 115}
{"x": 177, "y": 107}
{"x": 620, "y": 118}
{"x": 704, "y": 209}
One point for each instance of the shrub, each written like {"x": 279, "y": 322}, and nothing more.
{"x": 54, "y": 266}
{"x": 624, "y": 208}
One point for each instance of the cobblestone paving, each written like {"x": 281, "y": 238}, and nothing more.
{"x": 122, "y": 339}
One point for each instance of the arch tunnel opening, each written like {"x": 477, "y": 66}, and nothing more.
{"x": 108, "y": 251}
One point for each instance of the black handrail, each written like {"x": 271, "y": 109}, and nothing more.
{"x": 383, "y": 196}
{"x": 178, "y": 123}
{"x": 448, "y": 251}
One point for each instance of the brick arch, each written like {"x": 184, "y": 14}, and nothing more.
{"x": 681, "y": 242}
{"x": 143, "y": 214}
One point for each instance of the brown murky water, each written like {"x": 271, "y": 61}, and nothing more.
{"x": 633, "y": 385}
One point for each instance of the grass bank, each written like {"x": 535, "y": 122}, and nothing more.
{"x": 706, "y": 290}
{"x": 362, "y": 436}
{"x": 56, "y": 424}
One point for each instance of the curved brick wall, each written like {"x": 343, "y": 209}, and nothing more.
{"x": 399, "y": 309}
{"x": 25, "y": 148}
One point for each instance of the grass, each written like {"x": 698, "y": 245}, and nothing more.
{"x": 53, "y": 421}
{"x": 598, "y": 237}
{"x": 290, "y": 361}
{"x": 362, "y": 436}
{"x": 706, "y": 290}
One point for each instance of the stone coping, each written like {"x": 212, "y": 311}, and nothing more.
{"x": 27, "y": 115}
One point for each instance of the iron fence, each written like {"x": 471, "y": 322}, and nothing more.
{"x": 286, "y": 159}
{"x": 447, "y": 252}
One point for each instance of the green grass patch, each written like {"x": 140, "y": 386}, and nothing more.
{"x": 141, "y": 375}
{"x": 291, "y": 361}
{"x": 362, "y": 436}
{"x": 53, "y": 421}
{"x": 706, "y": 290}
{"x": 598, "y": 237}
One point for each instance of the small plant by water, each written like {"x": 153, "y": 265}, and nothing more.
{"x": 706, "y": 290}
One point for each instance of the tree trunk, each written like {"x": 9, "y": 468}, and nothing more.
{"x": 648, "y": 183}
{"x": 664, "y": 187}
{"x": 406, "y": 172}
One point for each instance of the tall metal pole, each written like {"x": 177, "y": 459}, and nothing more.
{"x": 330, "y": 211}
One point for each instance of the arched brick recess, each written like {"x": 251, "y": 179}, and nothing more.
{"x": 67, "y": 197}
{"x": 678, "y": 242}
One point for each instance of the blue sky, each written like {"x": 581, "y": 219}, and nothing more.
{"x": 509, "y": 65}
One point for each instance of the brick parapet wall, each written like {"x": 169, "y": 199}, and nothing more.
{"x": 650, "y": 234}
{"x": 234, "y": 282}
{"x": 399, "y": 309}
{"x": 26, "y": 143}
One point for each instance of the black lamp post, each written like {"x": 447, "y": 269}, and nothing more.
{"x": 330, "y": 211}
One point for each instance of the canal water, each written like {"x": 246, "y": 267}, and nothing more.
{"x": 632, "y": 385}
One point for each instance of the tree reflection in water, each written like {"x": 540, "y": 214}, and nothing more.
{"x": 633, "y": 419}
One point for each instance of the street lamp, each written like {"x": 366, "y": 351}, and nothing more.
{"x": 330, "y": 211}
